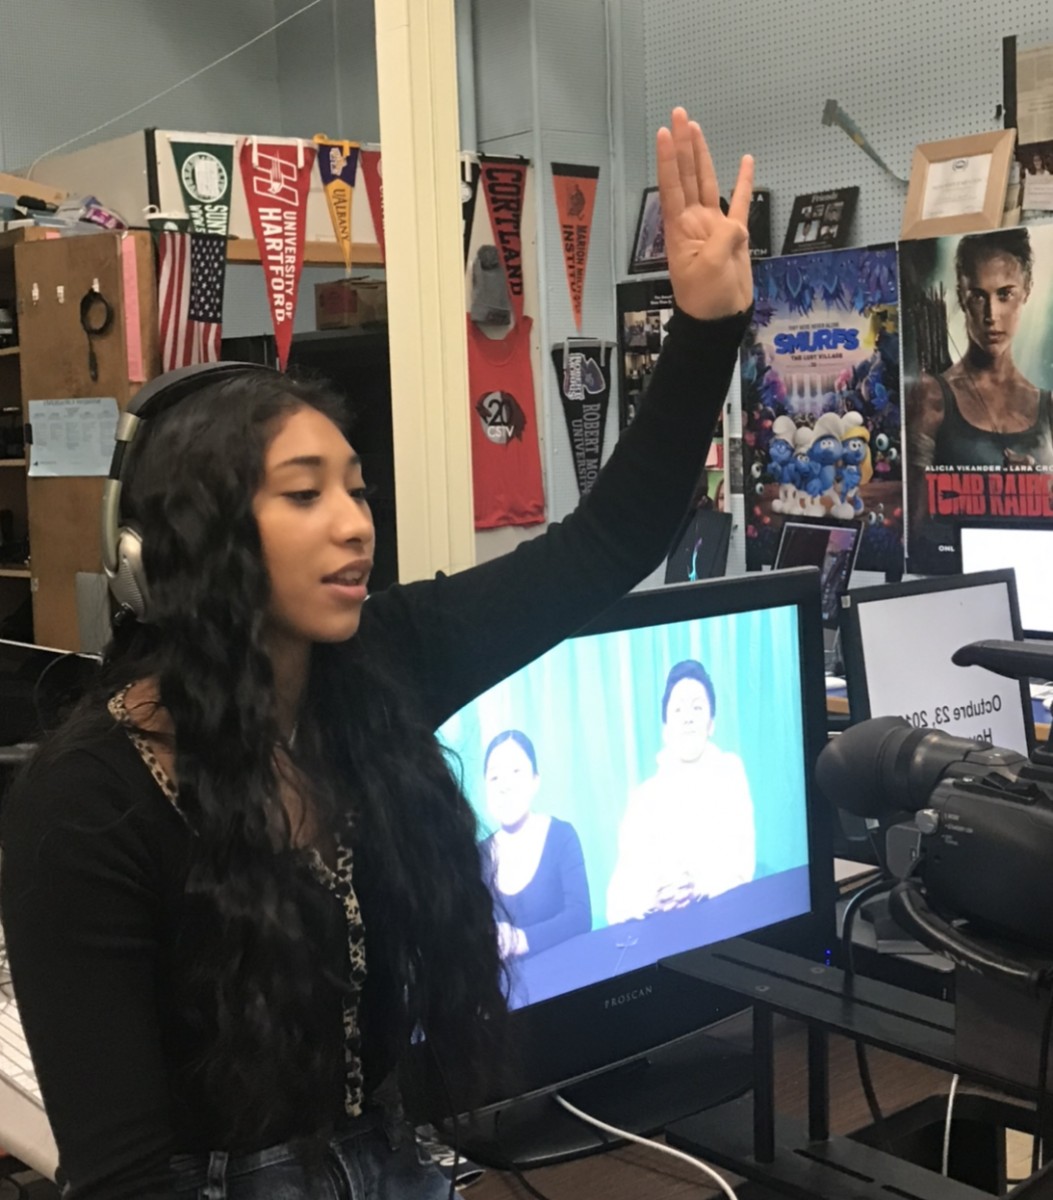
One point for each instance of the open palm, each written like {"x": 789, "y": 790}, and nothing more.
{"x": 708, "y": 252}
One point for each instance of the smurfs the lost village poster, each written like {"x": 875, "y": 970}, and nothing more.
{"x": 821, "y": 400}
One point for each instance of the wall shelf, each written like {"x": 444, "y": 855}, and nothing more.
{"x": 12, "y": 462}
{"x": 9, "y": 351}
{"x": 15, "y": 573}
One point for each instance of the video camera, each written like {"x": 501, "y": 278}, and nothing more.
{"x": 977, "y": 883}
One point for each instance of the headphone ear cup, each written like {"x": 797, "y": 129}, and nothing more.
{"x": 128, "y": 582}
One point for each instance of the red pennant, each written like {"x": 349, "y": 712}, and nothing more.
{"x": 369, "y": 164}
{"x": 575, "y": 199}
{"x": 277, "y": 177}
{"x": 504, "y": 183}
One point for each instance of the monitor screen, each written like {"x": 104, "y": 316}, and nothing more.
{"x": 637, "y": 796}
{"x": 898, "y": 641}
{"x": 832, "y": 546}
{"x": 700, "y": 548}
{"x": 1028, "y": 549}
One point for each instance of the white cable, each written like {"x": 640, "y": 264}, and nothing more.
{"x": 189, "y": 79}
{"x": 614, "y": 1131}
{"x": 946, "y": 1160}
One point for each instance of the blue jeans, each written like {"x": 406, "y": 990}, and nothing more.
{"x": 369, "y": 1161}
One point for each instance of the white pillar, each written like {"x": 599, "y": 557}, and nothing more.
{"x": 419, "y": 138}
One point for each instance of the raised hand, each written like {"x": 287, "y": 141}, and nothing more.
{"x": 708, "y": 252}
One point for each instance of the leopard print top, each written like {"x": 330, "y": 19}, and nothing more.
{"x": 338, "y": 879}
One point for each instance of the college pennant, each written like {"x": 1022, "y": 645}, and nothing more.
{"x": 575, "y": 200}
{"x": 206, "y": 178}
{"x": 583, "y": 369}
{"x": 338, "y": 165}
{"x": 469, "y": 194}
{"x": 277, "y": 176}
{"x": 372, "y": 172}
{"x": 504, "y": 184}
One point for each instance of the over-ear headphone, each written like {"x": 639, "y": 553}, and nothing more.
{"x": 122, "y": 544}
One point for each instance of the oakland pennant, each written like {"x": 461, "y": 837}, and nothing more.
{"x": 277, "y": 176}
{"x": 373, "y": 173}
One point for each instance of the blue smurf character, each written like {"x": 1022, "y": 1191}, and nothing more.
{"x": 855, "y": 469}
{"x": 805, "y": 470}
{"x": 825, "y": 452}
{"x": 781, "y": 465}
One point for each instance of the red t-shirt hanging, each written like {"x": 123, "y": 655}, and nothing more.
{"x": 506, "y": 458}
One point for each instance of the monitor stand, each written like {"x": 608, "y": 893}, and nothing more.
{"x": 686, "y": 1076}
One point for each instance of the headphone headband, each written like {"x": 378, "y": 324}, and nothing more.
{"x": 121, "y": 545}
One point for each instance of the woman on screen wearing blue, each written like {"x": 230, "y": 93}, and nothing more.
{"x": 688, "y": 832}
{"x": 538, "y": 869}
{"x": 243, "y": 876}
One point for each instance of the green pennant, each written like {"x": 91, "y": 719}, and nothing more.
{"x": 206, "y": 177}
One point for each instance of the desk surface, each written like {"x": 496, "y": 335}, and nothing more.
{"x": 632, "y": 1172}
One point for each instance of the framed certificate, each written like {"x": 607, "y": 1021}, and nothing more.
{"x": 649, "y": 243}
{"x": 958, "y": 185}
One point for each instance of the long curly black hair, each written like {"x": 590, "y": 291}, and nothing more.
{"x": 369, "y": 756}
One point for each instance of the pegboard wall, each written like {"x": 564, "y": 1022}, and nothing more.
{"x": 757, "y": 77}
{"x": 67, "y": 67}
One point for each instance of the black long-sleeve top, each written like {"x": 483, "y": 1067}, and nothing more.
{"x": 94, "y": 861}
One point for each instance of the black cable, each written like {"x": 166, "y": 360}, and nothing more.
{"x": 511, "y": 1165}
{"x": 1042, "y": 1103}
{"x": 848, "y": 920}
{"x": 848, "y": 962}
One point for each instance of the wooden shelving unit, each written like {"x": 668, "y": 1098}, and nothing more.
{"x": 316, "y": 254}
{"x": 43, "y": 278}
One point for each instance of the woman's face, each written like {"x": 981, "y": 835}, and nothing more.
{"x": 688, "y": 720}
{"x": 510, "y": 785}
{"x": 993, "y": 300}
{"x": 316, "y": 530}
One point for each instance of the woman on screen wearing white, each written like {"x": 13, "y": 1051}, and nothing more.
{"x": 539, "y": 880}
{"x": 688, "y": 832}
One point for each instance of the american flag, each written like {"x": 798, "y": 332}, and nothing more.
{"x": 192, "y": 267}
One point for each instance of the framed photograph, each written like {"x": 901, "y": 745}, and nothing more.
{"x": 649, "y": 243}
{"x": 958, "y": 185}
{"x": 820, "y": 221}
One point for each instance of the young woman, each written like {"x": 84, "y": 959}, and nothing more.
{"x": 242, "y": 879}
{"x": 983, "y": 410}
{"x": 537, "y": 866}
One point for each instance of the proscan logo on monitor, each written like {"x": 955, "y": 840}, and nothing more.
{"x": 628, "y": 997}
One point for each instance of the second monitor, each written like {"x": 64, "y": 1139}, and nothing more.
{"x": 1027, "y": 547}
{"x": 830, "y": 545}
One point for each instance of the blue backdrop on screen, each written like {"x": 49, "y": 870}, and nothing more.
{"x": 592, "y": 707}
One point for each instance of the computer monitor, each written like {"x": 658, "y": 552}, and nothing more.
{"x": 37, "y": 685}
{"x": 826, "y": 543}
{"x": 1027, "y": 547}
{"x": 700, "y": 548}
{"x": 898, "y": 640}
{"x": 665, "y": 818}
